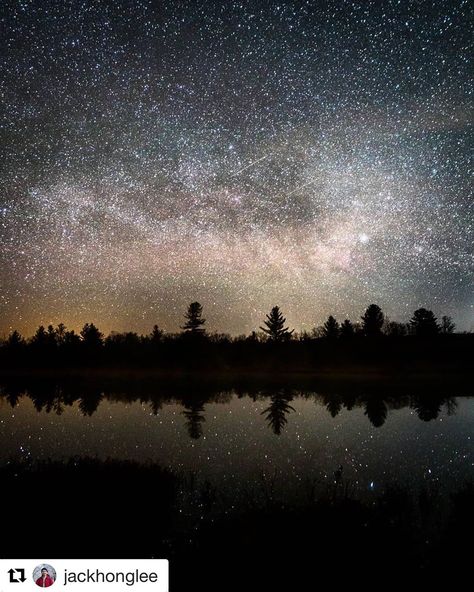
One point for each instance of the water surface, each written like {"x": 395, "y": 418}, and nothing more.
{"x": 239, "y": 441}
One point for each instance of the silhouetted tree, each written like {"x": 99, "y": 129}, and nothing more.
{"x": 194, "y": 321}
{"x": 15, "y": 341}
{"x": 40, "y": 338}
{"x": 347, "y": 329}
{"x": 423, "y": 323}
{"x": 331, "y": 328}
{"x": 91, "y": 336}
{"x": 51, "y": 336}
{"x": 156, "y": 334}
{"x": 71, "y": 338}
{"x": 372, "y": 320}
{"x": 447, "y": 325}
{"x": 275, "y": 325}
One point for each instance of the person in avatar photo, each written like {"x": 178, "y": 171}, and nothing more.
{"x": 45, "y": 580}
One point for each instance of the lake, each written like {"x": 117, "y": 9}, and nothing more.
{"x": 240, "y": 441}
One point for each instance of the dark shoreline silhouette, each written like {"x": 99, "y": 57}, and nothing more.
{"x": 208, "y": 354}
{"x": 128, "y": 509}
{"x": 421, "y": 346}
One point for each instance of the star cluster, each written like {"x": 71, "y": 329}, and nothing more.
{"x": 314, "y": 155}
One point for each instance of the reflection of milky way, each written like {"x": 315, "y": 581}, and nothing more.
{"x": 237, "y": 154}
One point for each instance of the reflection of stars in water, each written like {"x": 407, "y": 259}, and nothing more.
{"x": 25, "y": 453}
{"x": 314, "y": 156}
{"x": 237, "y": 450}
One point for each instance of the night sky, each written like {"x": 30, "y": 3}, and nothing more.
{"x": 244, "y": 154}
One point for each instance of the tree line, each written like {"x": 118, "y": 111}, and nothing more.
{"x": 373, "y": 323}
{"x": 195, "y": 347}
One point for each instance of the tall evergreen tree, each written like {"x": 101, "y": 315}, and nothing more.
{"x": 347, "y": 329}
{"x": 91, "y": 336}
{"x": 40, "y": 338}
{"x": 71, "y": 338}
{"x": 51, "y": 336}
{"x": 156, "y": 334}
{"x": 15, "y": 340}
{"x": 331, "y": 328}
{"x": 372, "y": 321}
{"x": 275, "y": 325}
{"x": 194, "y": 321}
{"x": 424, "y": 323}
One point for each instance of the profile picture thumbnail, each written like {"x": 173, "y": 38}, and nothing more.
{"x": 44, "y": 575}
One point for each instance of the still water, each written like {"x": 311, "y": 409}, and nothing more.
{"x": 290, "y": 437}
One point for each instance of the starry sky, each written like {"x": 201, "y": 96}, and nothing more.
{"x": 313, "y": 155}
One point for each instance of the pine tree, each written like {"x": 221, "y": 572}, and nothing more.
{"x": 15, "y": 340}
{"x": 424, "y": 323}
{"x": 275, "y": 326}
{"x": 91, "y": 336}
{"x": 51, "y": 336}
{"x": 156, "y": 334}
{"x": 372, "y": 320}
{"x": 347, "y": 329}
{"x": 40, "y": 338}
{"x": 194, "y": 321}
{"x": 331, "y": 328}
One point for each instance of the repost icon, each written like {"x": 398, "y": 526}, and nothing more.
{"x": 17, "y": 575}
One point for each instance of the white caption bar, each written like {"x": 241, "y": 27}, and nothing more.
{"x": 84, "y": 575}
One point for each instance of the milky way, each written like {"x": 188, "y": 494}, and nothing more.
{"x": 244, "y": 154}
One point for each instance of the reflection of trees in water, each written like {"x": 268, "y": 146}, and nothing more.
{"x": 53, "y": 397}
{"x": 156, "y": 405}
{"x": 349, "y": 401}
{"x": 279, "y": 408}
{"x": 48, "y": 398}
{"x": 12, "y": 393}
{"x": 376, "y": 407}
{"x": 194, "y": 414}
{"x": 193, "y": 401}
{"x": 451, "y": 405}
{"x": 427, "y": 407}
{"x": 89, "y": 404}
{"x": 376, "y": 410}
{"x": 333, "y": 404}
